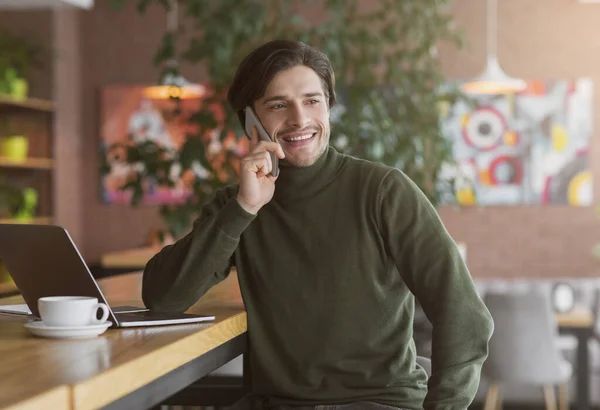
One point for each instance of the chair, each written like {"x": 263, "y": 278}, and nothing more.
{"x": 523, "y": 348}
{"x": 595, "y": 345}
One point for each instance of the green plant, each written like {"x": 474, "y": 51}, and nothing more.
{"x": 17, "y": 56}
{"x": 11, "y": 199}
{"x": 388, "y": 76}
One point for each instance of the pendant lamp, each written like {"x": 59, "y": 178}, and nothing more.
{"x": 172, "y": 84}
{"x": 493, "y": 80}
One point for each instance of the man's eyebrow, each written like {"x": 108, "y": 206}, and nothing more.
{"x": 283, "y": 97}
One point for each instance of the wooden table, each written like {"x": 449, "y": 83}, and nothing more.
{"x": 123, "y": 368}
{"x": 140, "y": 367}
{"x": 579, "y": 322}
{"x": 129, "y": 258}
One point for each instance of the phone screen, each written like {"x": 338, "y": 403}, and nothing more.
{"x": 252, "y": 120}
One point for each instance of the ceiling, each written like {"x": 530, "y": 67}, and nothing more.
{"x": 44, "y": 4}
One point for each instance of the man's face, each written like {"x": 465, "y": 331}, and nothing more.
{"x": 295, "y": 113}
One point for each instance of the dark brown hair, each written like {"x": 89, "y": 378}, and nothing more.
{"x": 257, "y": 70}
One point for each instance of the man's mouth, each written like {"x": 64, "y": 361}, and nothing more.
{"x": 298, "y": 138}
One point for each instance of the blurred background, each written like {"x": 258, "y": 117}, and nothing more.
{"x": 113, "y": 124}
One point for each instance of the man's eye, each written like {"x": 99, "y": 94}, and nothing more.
{"x": 313, "y": 101}
{"x": 277, "y": 106}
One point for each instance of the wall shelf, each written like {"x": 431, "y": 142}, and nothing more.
{"x": 44, "y": 220}
{"x": 29, "y": 103}
{"x": 32, "y": 163}
{"x": 34, "y": 119}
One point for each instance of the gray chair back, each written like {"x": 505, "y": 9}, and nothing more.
{"x": 523, "y": 347}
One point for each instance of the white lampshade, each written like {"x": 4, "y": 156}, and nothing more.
{"x": 494, "y": 81}
{"x": 174, "y": 86}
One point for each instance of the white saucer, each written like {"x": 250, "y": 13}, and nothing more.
{"x": 38, "y": 328}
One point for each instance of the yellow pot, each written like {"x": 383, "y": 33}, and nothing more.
{"x": 15, "y": 147}
{"x": 20, "y": 89}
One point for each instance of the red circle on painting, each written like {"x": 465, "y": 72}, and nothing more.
{"x": 516, "y": 166}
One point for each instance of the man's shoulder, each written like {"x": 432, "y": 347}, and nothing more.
{"x": 367, "y": 167}
{"x": 386, "y": 177}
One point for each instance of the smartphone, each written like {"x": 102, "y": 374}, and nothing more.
{"x": 253, "y": 121}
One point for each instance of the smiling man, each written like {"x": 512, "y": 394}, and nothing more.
{"x": 296, "y": 111}
{"x": 330, "y": 256}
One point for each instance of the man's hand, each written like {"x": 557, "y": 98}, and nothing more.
{"x": 256, "y": 185}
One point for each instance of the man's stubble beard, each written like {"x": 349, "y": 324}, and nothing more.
{"x": 322, "y": 148}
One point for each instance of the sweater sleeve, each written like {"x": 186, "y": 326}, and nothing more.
{"x": 431, "y": 266}
{"x": 180, "y": 274}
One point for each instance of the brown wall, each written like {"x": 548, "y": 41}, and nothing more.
{"x": 538, "y": 39}
{"x": 117, "y": 48}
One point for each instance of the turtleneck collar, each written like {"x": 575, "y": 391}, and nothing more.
{"x": 297, "y": 182}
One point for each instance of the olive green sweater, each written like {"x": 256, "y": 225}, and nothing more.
{"x": 327, "y": 271}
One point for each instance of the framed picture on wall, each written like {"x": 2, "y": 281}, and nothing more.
{"x": 133, "y": 118}
{"x": 529, "y": 148}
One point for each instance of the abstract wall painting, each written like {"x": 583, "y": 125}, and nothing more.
{"x": 529, "y": 148}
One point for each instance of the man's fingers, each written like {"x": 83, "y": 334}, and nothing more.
{"x": 262, "y": 168}
{"x": 259, "y": 162}
{"x": 268, "y": 146}
{"x": 269, "y": 162}
{"x": 280, "y": 152}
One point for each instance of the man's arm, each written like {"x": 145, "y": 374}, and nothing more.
{"x": 180, "y": 274}
{"x": 430, "y": 264}
{"x": 176, "y": 277}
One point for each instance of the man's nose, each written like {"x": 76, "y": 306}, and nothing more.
{"x": 298, "y": 117}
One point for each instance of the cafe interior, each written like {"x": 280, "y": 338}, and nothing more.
{"x": 87, "y": 86}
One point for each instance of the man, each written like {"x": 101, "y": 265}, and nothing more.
{"x": 329, "y": 255}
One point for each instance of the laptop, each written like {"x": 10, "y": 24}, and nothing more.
{"x": 44, "y": 261}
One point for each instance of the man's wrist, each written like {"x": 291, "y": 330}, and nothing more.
{"x": 247, "y": 208}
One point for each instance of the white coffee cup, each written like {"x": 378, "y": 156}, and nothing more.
{"x": 71, "y": 311}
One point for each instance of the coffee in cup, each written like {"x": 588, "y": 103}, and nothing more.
{"x": 71, "y": 311}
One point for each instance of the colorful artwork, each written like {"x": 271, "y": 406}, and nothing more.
{"x": 526, "y": 148}
{"x": 131, "y": 118}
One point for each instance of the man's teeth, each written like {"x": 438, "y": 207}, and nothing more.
{"x": 299, "y": 138}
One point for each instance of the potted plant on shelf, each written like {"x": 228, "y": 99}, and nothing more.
{"x": 387, "y": 71}
{"x": 11, "y": 199}
{"x": 17, "y": 204}
{"x": 14, "y": 145}
{"x": 17, "y": 57}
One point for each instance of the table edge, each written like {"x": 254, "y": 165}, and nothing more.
{"x": 86, "y": 392}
